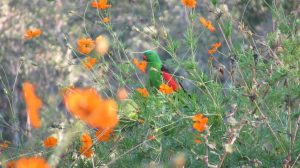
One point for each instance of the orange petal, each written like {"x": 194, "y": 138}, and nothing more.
{"x": 197, "y": 141}
{"x": 50, "y": 142}
{"x": 103, "y": 135}
{"x": 33, "y": 104}
{"x": 31, "y": 162}
{"x": 152, "y": 137}
{"x": 143, "y": 92}
{"x": 122, "y": 94}
{"x": 102, "y": 45}
{"x": 197, "y": 117}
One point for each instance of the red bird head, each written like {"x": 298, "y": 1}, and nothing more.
{"x": 144, "y": 57}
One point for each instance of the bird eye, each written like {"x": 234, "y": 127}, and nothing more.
{"x": 144, "y": 58}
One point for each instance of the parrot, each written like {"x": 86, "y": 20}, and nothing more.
{"x": 158, "y": 73}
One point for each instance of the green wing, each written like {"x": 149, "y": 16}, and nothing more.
{"x": 155, "y": 77}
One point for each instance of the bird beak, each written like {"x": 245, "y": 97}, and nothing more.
{"x": 144, "y": 58}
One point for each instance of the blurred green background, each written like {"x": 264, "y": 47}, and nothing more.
{"x": 51, "y": 63}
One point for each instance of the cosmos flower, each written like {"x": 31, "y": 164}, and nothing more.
{"x": 151, "y": 137}
{"x": 50, "y": 142}
{"x": 101, "y": 4}
{"x": 140, "y": 65}
{"x": 86, "y": 140}
{"x": 89, "y": 62}
{"x": 143, "y": 92}
{"x": 122, "y": 94}
{"x": 207, "y": 24}
{"x": 88, "y": 106}
{"x": 164, "y": 88}
{"x": 106, "y": 20}
{"x": 85, "y": 45}
{"x": 32, "y": 33}
{"x": 87, "y": 143}
{"x": 4, "y": 145}
{"x": 214, "y": 48}
{"x": 87, "y": 152}
{"x": 199, "y": 122}
{"x": 189, "y": 3}
{"x": 11, "y": 164}
{"x": 103, "y": 135}
{"x": 197, "y": 141}
{"x": 216, "y": 45}
{"x": 102, "y": 45}
{"x": 31, "y": 162}
{"x": 33, "y": 104}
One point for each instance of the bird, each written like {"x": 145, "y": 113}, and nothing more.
{"x": 158, "y": 73}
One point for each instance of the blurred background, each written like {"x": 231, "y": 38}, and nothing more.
{"x": 50, "y": 61}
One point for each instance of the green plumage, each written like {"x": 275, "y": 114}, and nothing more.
{"x": 154, "y": 68}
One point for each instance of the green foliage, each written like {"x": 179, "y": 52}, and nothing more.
{"x": 227, "y": 28}
{"x": 215, "y": 2}
{"x": 250, "y": 95}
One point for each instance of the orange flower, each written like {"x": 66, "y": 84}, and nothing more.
{"x": 32, "y": 33}
{"x": 33, "y": 104}
{"x": 102, "y": 45}
{"x": 200, "y": 127}
{"x": 140, "y": 65}
{"x": 122, "y": 94}
{"x": 103, "y": 135}
{"x": 88, "y": 106}
{"x": 106, "y": 20}
{"x": 32, "y": 162}
{"x": 189, "y": 3}
{"x": 143, "y": 92}
{"x": 199, "y": 122}
{"x": 164, "y": 88}
{"x": 217, "y": 45}
{"x": 207, "y": 24}
{"x": 87, "y": 152}
{"x": 87, "y": 143}
{"x": 89, "y": 62}
{"x": 50, "y": 142}
{"x": 86, "y": 140}
{"x": 151, "y": 137}
{"x": 214, "y": 48}
{"x": 11, "y": 164}
{"x": 211, "y": 51}
{"x": 4, "y": 145}
{"x": 81, "y": 102}
{"x": 85, "y": 45}
{"x": 197, "y": 117}
{"x": 108, "y": 112}
{"x": 102, "y": 4}
{"x": 197, "y": 141}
